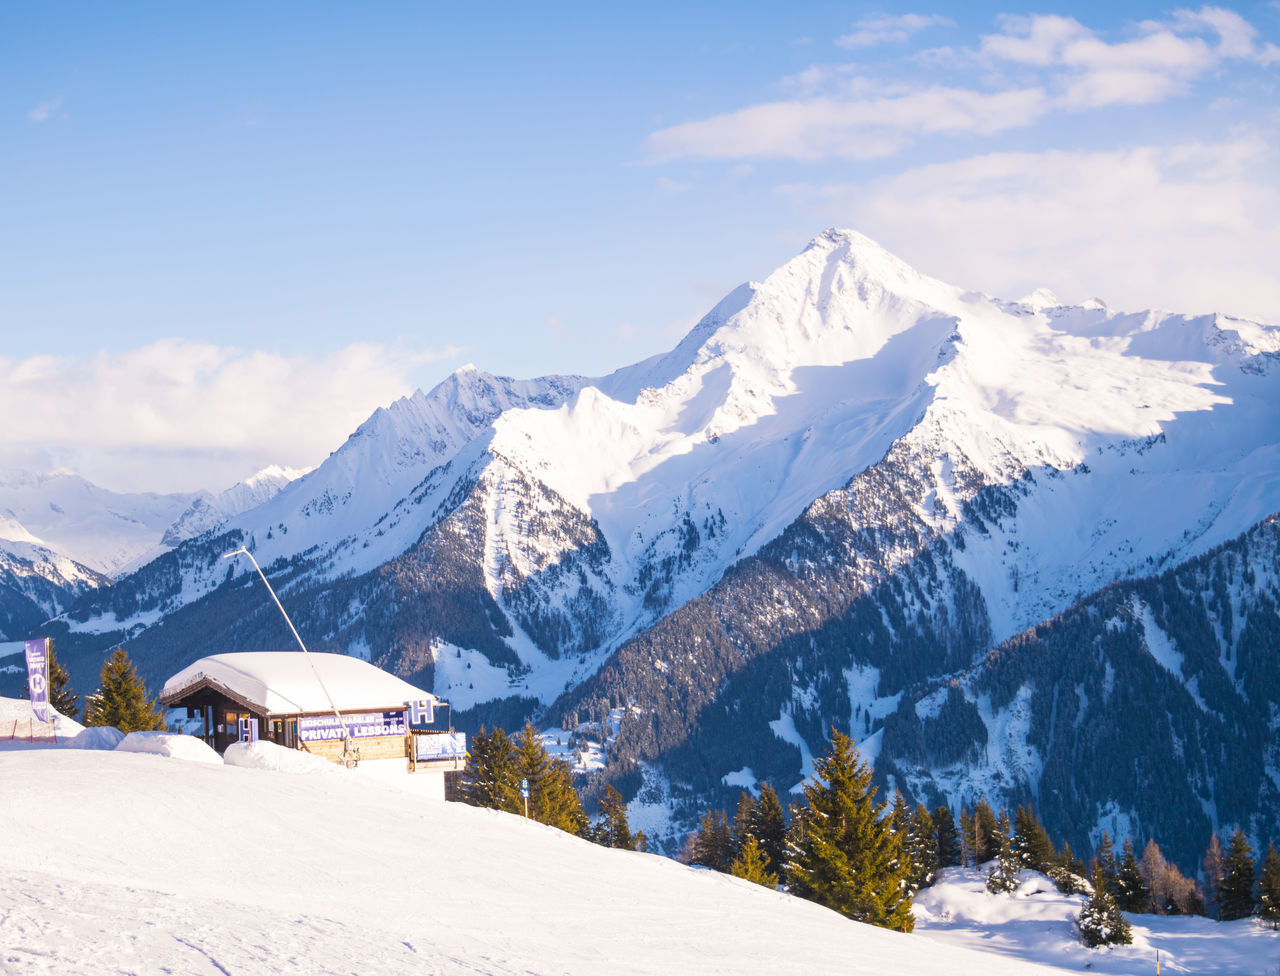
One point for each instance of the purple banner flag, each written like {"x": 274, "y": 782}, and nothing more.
{"x": 38, "y": 678}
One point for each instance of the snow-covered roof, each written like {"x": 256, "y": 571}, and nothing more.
{"x": 283, "y": 682}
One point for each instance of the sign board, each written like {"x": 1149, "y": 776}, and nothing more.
{"x": 248, "y": 729}
{"x": 38, "y": 677}
{"x": 361, "y": 725}
{"x": 422, "y": 712}
{"x": 524, "y": 788}
{"x": 445, "y": 745}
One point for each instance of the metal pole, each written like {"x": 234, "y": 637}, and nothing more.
{"x": 346, "y": 733}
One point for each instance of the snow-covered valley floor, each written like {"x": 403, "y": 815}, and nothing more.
{"x": 117, "y": 862}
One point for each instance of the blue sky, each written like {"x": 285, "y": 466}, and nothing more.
{"x": 229, "y": 231}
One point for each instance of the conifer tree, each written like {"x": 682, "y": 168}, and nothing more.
{"x": 1031, "y": 843}
{"x": 613, "y": 829}
{"x": 922, "y": 848}
{"x": 1104, "y": 861}
{"x": 743, "y": 822}
{"x": 968, "y": 838}
{"x": 1170, "y": 892}
{"x": 1003, "y": 878}
{"x": 752, "y": 865}
{"x": 122, "y": 700}
{"x": 847, "y": 856}
{"x": 1067, "y": 872}
{"x": 1133, "y": 894}
{"x": 1269, "y": 888}
{"x": 1235, "y": 893}
{"x": 60, "y": 697}
{"x": 769, "y": 827}
{"x": 713, "y": 844}
{"x": 1212, "y": 872}
{"x": 950, "y": 851}
{"x": 552, "y": 797}
{"x": 641, "y": 842}
{"x": 489, "y": 779}
{"x": 986, "y": 845}
{"x": 1101, "y": 921}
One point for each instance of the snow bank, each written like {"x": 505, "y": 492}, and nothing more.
{"x": 16, "y": 717}
{"x": 95, "y": 737}
{"x": 268, "y": 755}
{"x": 171, "y": 745}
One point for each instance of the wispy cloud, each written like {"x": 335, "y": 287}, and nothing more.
{"x": 1061, "y": 65}
{"x": 862, "y": 128}
{"x": 178, "y": 414}
{"x": 46, "y": 111}
{"x": 886, "y": 29}
{"x": 1190, "y": 226}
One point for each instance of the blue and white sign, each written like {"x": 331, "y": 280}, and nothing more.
{"x": 445, "y": 745}
{"x": 524, "y": 788}
{"x": 38, "y": 678}
{"x": 249, "y": 729}
{"x": 422, "y": 712}
{"x": 362, "y": 725}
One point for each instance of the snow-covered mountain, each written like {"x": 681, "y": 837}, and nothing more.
{"x": 94, "y": 526}
{"x": 36, "y": 583}
{"x": 847, "y": 481}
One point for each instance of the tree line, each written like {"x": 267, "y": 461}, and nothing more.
{"x": 497, "y": 764}
{"x": 866, "y": 860}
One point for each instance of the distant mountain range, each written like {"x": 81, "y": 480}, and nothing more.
{"x": 981, "y": 535}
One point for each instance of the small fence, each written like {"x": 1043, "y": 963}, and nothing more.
{"x": 30, "y": 730}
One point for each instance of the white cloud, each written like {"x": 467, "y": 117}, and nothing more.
{"x": 837, "y": 111}
{"x": 180, "y": 415}
{"x": 1162, "y": 60}
{"x": 1193, "y": 227}
{"x": 865, "y": 128}
{"x": 45, "y": 110}
{"x": 885, "y": 29}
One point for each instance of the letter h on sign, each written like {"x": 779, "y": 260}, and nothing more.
{"x": 422, "y": 712}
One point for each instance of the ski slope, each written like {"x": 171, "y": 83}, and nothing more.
{"x": 123, "y": 862}
{"x": 127, "y": 863}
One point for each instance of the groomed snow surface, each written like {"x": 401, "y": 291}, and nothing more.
{"x": 128, "y": 862}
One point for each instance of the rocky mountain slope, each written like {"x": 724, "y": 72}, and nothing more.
{"x": 847, "y": 482}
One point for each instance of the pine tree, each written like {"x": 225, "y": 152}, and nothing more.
{"x": 1235, "y": 894}
{"x": 769, "y": 827}
{"x": 613, "y": 829}
{"x": 1104, "y": 861}
{"x": 922, "y": 848}
{"x": 751, "y": 865}
{"x": 1212, "y": 873}
{"x": 1269, "y": 888}
{"x": 641, "y": 842}
{"x": 1031, "y": 843}
{"x": 1003, "y": 878}
{"x": 743, "y": 822}
{"x": 552, "y": 797}
{"x": 986, "y": 845}
{"x": 1133, "y": 895}
{"x": 60, "y": 697}
{"x": 122, "y": 700}
{"x": 1067, "y": 872}
{"x": 713, "y": 844}
{"x": 950, "y": 851}
{"x": 847, "y": 856}
{"x": 489, "y": 779}
{"x": 1101, "y": 921}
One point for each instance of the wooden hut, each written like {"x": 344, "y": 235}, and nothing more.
{"x": 278, "y": 697}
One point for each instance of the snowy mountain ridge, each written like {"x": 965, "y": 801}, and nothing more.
{"x": 846, "y": 480}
